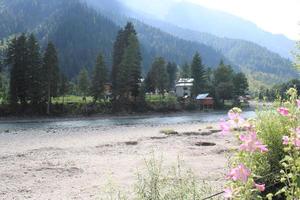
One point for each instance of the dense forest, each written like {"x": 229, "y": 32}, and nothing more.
{"x": 35, "y": 78}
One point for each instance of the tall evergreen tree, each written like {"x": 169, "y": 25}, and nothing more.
{"x": 83, "y": 82}
{"x": 172, "y": 74}
{"x": 199, "y": 75}
{"x": 98, "y": 79}
{"x": 121, "y": 44}
{"x": 185, "y": 71}
{"x": 240, "y": 84}
{"x": 36, "y": 90}
{"x": 51, "y": 73}
{"x": 17, "y": 58}
{"x": 158, "y": 75}
{"x": 130, "y": 69}
{"x": 223, "y": 82}
{"x": 118, "y": 52}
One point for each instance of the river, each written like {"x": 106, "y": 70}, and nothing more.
{"x": 151, "y": 120}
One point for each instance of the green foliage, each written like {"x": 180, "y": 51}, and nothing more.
{"x": 126, "y": 71}
{"x": 172, "y": 74}
{"x": 34, "y": 74}
{"x": 17, "y": 56}
{"x": 50, "y": 73}
{"x": 185, "y": 71}
{"x": 278, "y": 166}
{"x": 158, "y": 78}
{"x": 199, "y": 75}
{"x": 3, "y": 88}
{"x": 69, "y": 99}
{"x": 240, "y": 83}
{"x": 64, "y": 85}
{"x": 223, "y": 82}
{"x": 159, "y": 182}
{"x": 99, "y": 78}
{"x": 83, "y": 82}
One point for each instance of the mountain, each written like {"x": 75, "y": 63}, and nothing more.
{"x": 262, "y": 66}
{"x": 82, "y": 28}
{"x": 195, "y": 17}
{"x": 80, "y": 33}
{"x": 226, "y": 25}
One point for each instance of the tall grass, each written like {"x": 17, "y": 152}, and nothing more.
{"x": 159, "y": 182}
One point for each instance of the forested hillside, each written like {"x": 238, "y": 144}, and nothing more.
{"x": 79, "y": 32}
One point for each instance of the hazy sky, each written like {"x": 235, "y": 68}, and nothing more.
{"x": 276, "y": 16}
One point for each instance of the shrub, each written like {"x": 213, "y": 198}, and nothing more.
{"x": 267, "y": 164}
{"x": 158, "y": 182}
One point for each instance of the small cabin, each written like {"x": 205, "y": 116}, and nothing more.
{"x": 205, "y": 102}
{"x": 183, "y": 87}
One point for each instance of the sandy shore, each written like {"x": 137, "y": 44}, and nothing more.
{"x": 76, "y": 163}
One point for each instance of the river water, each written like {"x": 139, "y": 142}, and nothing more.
{"x": 151, "y": 120}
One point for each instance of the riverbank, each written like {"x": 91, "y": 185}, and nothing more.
{"x": 76, "y": 163}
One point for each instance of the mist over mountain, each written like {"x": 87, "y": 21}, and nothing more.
{"x": 195, "y": 17}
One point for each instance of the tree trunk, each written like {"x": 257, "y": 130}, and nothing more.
{"x": 49, "y": 101}
{"x": 63, "y": 103}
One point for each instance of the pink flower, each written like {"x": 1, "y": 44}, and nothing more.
{"x": 235, "y": 119}
{"x": 225, "y": 127}
{"x": 298, "y": 131}
{"x": 251, "y": 143}
{"x": 283, "y": 111}
{"x": 239, "y": 173}
{"x": 260, "y": 187}
{"x": 297, "y": 142}
{"x": 298, "y": 103}
{"x": 285, "y": 140}
{"x": 228, "y": 194}
{"x": 233, "y": 115}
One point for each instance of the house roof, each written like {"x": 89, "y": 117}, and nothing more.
{"x": 185, "y": 80}
{"x": 202, "y": 96}
{"x": 184, "y": 84}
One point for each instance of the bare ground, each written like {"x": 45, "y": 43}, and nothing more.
{"x": 77, "y": 163}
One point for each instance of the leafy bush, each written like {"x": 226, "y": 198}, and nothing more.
{"x": 267, "y": 164}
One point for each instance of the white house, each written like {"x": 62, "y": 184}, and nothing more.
{"x": 183, "y": 87}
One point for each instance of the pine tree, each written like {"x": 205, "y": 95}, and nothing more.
{"x": 118, "y": 52}
{"x": 199, "y": 75}
{"x": 158, "y": 75}
{"x": 51, "y": 73}
{"x": 185, "y": 71}
{"x": 99, "y": 79}
{"x": 223, "y": 82}
{"x": 240, "y": 83}
{"x": 36, "y": 92}
{"x": 121, "y": 44}
{"x": 17, "y": 58}
{"x": 172, "y": 73}
{"x": 83, "y": 82}
{"x": 63, "y": 87}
